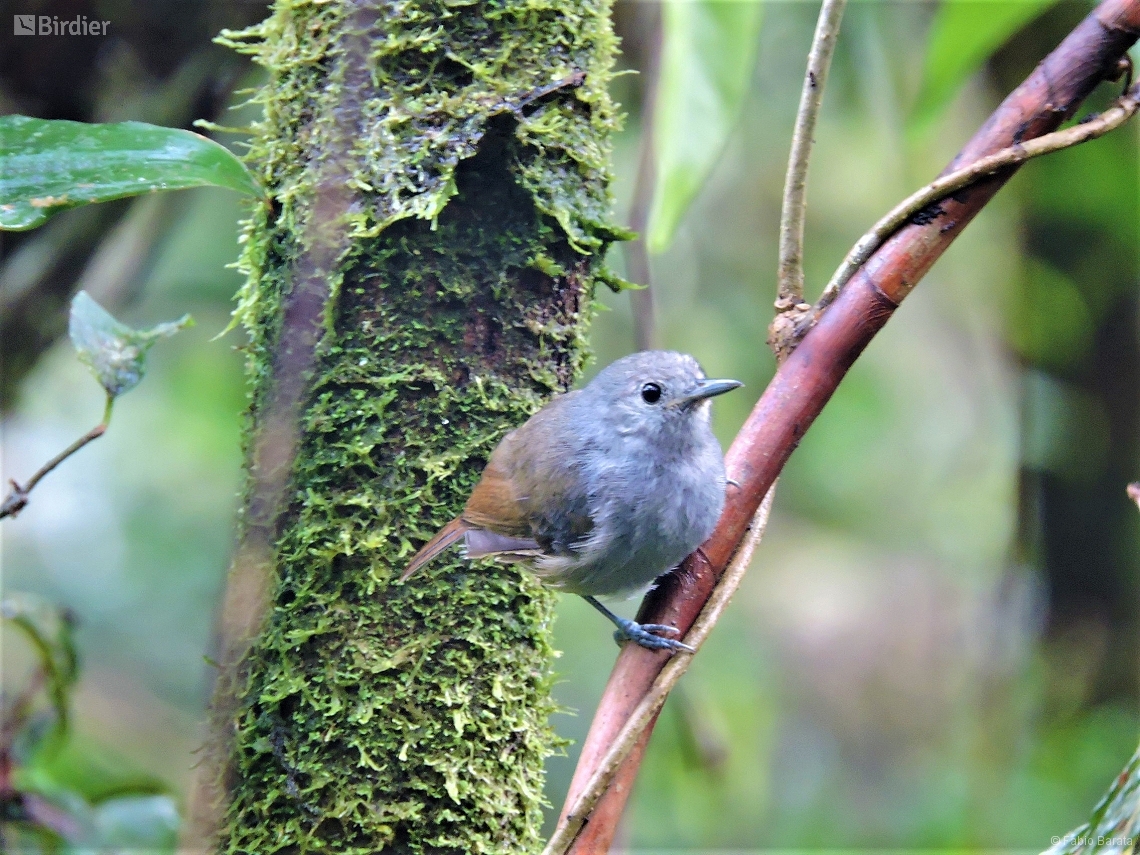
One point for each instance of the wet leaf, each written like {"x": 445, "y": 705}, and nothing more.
{"x": 114, "y": 352}
{"x": 48, "y": 165}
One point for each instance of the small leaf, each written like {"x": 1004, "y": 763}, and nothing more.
{"x": 47, "y": 165}
{"x": 707, "y": 55}
{"x": 114, "y": 352}
{"x": 963, "y": 34}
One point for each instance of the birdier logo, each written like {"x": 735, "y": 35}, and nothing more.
{"x": 52, "y": 25}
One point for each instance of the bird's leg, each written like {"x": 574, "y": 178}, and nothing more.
{"x": 641, "y": 633}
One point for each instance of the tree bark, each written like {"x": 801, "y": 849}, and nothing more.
{"x": 419, "y": 284}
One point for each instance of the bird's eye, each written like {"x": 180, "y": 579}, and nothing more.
{"x": 651, "y": 393}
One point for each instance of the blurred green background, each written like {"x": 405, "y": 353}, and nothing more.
{"x": 937, "y": 643}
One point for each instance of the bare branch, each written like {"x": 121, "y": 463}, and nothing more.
{"x": 790, "y": 272}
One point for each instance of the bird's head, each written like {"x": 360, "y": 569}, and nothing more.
{"x": 655, "y": 392}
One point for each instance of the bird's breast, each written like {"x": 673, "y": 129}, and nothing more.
{"x": 648, "y": 514}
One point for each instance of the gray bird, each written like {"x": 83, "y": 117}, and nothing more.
{"x": 603, "y": 489}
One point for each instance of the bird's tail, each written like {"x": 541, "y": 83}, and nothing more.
{"x": 447, "y": 536}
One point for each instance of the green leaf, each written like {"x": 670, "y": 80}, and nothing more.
{"x": 963, "y": 34}
{"x": 49, "y": 629}
{"x": 707, "y": 55}
{"x": 49, "y": 165}
{"x": 115, "y": 353}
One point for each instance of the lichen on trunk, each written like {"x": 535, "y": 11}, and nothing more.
{"x": 439, "y": 179}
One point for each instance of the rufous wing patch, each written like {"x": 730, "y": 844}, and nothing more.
{"x": 494, "y": 506}
{"x": 446, "y": 536}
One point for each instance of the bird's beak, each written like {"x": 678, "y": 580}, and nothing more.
{"x": 707, "y": 389}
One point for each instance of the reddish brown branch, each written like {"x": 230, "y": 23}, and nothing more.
{"x": 949, "y": 183}
{"x": 809, "y": 376}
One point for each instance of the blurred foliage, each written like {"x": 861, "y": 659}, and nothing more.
{"x": 48, "y": 630}
{"x": 936, "y": 645}
{"x": 1073, "y": 323}
{"x": 157, "y": 64}
{"x": 961, "y": 38}
{"x": 41, "y": 810}
{"x": 708, "y": 51}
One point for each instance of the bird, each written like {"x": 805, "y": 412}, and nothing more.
{"x": 605, "y": 488}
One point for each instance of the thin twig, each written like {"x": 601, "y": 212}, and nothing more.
{"x": 927, "y": 197}
{"x": 17, "y": 500}
{"x": 790, "y": 272}
{"x": 564, "y": 836}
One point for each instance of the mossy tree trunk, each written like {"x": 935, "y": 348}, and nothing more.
{"x": 419, "y": 283}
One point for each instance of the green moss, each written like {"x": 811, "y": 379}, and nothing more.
{"x": 460, "y": 277}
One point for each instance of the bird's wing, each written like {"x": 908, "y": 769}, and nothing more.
{"x": 494, "y": 504}
{"x": 532, "y": 488}
{"x": 443, "y": 539}
{"x": 480, "y": 542}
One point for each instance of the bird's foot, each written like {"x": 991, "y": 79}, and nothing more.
{"x": 641, "y": 633}
{"x": 644, "y": 634}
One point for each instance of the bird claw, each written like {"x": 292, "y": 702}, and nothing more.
{"x": 643, "y": 635}
{"x": 659, "y": 627}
